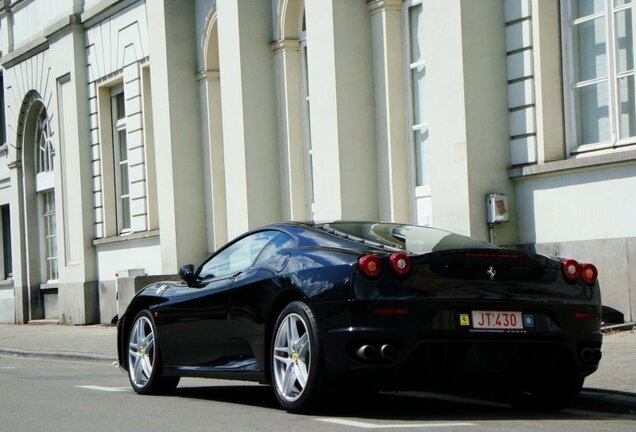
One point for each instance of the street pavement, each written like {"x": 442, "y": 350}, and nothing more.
{"x": 611, "y": 389}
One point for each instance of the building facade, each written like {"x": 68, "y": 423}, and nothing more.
{"x": 141, "y": 135}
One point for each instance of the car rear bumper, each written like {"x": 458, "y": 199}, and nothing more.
{"x": 428, "y": 345}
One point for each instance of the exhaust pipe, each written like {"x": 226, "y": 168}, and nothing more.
{"x": 587, "y": 355}
{"x": 366, "y": 352}
{"x": 597, "y": 354}
{"x": 387, "y": 352}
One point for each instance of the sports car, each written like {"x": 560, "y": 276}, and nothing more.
{"x": 315, "y": 308}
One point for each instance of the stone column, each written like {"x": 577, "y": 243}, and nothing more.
{"x": 18, "y": 255}
{"x": 176, "y": 119}
{"x": 340, "y": 64}
{"x": 248, "y": 99}
{"x": 215, "y": 169}
{"x": 290, "y": 126}
{"x": 390, "y": 104}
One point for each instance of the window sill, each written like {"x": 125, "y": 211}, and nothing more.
{"x": 6, "y": 283}
{"x": 51, "y": 285}
{"x": 547, "y": 168}
{"x": 126, "y": 237}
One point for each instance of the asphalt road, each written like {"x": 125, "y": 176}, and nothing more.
{"x": 50, "y": 395}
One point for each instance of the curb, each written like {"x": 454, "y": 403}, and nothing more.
{"x": 60, "y": 355}
{"x": 615, "y": 402}
{"x": 628, "y": 326}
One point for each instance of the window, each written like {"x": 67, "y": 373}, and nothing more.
{"x": 49, "y": 232}
{"x": 43, "y": 145}
{"x": 304, "y": 68}
{"x": 599, "y": 73}
{"x": 269, "y": 256}
{"x": 44, "y": 183}
{"x": 6, "y": 243}
{"x": 120, "y": 153}
{"x": 236, "y": 257}
{"x": 413, "y": 19}
{"x": 3, "y": 132}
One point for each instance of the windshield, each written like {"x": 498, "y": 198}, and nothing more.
{"x": 411, "y": 238}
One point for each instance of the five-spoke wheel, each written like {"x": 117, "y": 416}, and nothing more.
{"x": 144, "y": 359}
{"x": 295, "y": 360}
{"x": 141, "y": 352}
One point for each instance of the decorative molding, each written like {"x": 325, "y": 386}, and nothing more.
{"x": 129, "y": 237}
{"x": 285, "y": 45}
{"x": 378, "y": 6}
{"x": 104, "y": 10}
{"x": 558, "y": 167}
{"x": 39, "y": 43}
{"x": 15, "y": 164}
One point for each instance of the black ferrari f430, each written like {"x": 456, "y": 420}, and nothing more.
{"x": 317, "y": 308}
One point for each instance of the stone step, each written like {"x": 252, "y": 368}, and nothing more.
{"x": 45, "y": 322}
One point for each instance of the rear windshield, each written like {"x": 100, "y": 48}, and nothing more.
{"x": 411, "y": 238}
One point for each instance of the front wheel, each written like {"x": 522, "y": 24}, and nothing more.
{"x": 296, "y": 358}
{"x": 145, "y": 369}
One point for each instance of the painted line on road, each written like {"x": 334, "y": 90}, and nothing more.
{"x": 104, "y": 389}
{"x": 8, "y": 367}
{"x": 366, "y": 425}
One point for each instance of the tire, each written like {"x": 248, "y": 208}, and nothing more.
{"x": 296, "y": 359}
{"x": 549, "y": 397}
{"x": 145, "y": 368}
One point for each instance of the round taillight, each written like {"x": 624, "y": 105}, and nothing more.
{"x": 370, "y": 265}
{"x": 571, "y": 270}
{"x": 589, "y": 273}
{"x": 400, "y": 263}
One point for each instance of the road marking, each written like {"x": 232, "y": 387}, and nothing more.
{"x": 365, "y": 425}
{"x": 8, "y": 367}
{"x": 105, "y": 389}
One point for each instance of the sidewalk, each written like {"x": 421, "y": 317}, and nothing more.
{"x": 612, "y": 388}
{"x": 96, "y": 342}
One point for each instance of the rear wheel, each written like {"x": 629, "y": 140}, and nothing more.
{"x": 145, "y": 368}
{"x": 296, "y": 358}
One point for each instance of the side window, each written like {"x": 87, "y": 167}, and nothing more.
{"x": 281, "y": 241}
{"x": 237, "y": 256}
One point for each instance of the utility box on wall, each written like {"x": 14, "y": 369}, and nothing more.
{"x": 497, "y": 208}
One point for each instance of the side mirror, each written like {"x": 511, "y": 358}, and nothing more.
{"x": 187, "y": 273}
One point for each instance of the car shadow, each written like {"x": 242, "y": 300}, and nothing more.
{"x": 416, "y": 406}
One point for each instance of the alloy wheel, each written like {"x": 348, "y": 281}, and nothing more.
{"x": 291, "y": 357}
{"x": 141, "y": 352}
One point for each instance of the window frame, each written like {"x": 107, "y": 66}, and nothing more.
{"x": 421, "y": 194}
{"x": 306, "y": 113}
{"x": 7, "y": 257}
{"x": 3, "y": 122}
{"x": 48, "y": 237}
{"x": 570, "y": 86}
{"x": 118, "y": 124}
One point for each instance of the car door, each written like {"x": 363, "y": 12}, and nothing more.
{"x": 195, "y": 322}
{"x": 250, "y": 298}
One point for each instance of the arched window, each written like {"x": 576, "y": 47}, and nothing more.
{"x": 44, "y": 165}
{"x": 44, "y": 151}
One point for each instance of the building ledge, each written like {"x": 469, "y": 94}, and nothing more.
{"x": 128, "y": 237}
{"x": 556, "y": 167}
{"x": 38, "y": 43}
